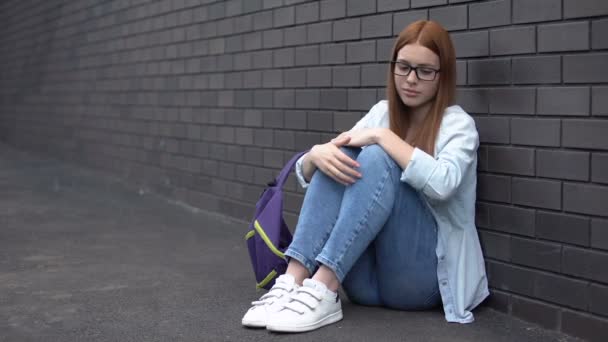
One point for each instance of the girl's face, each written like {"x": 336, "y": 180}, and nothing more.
{"x": 414, "y": 91}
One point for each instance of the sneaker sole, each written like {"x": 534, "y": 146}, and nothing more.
{"x": 253, "y": 324}
{"x": 333, "y": 318}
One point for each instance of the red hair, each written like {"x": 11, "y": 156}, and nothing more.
{"x": 433, "y": 36}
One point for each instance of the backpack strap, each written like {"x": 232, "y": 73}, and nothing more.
{"x": 282, "y": 178}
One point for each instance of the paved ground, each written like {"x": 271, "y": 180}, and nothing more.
{"x": 82, "y": 258}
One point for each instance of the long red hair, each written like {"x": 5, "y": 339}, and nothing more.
{"x": 433, "y": 36}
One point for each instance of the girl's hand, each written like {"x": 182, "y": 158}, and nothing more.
{"x": 333, "y": 162}
{"x": 361, "y": 137}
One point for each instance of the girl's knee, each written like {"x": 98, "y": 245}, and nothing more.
{"x": 351, "y": 151}
{"x": 361, "y": 296}
{"x": 375, "y": 154}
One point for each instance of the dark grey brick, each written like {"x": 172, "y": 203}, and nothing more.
{"x": 334, "y": 99}
{"x": 272, "y": 38}
{"x": 537, "y": 69}
{"x": 262, "y": 59}
{"x": 363, "y": 51}
{"x": 392, "y": 5}
{"x": 539, "y": 254}
{"x": 563, "y": 37}
{"x": 471, "y": 44}
{"x": 262, "y": 138}
{"x": 585, "y": 134}
{"x": 493, "y": 188}
{"x": 585, "y": 263}
{"x": 295, "y": 35}
{"x": 586, "y": 198}
{"x": 588, "y": 68}
{"x": 284, "y": 98}
{"x": 307, "y": 55}
{"x": 345, "y": 121}
{"x": 599, "y": 234}
{"x": 272, "y": 3}
{"x": 599, "y": 38}
{"x": 492, "y": 13}
{"x": 489, "y": 71}
{"x": 511, "y": 160}
{"x": 346, "y": 76}
{"x": 384, "y": 48}
{"x": 373, "y": 75}
{"x": 493, "y": 129}
{"x": 512, "y": 100}
{"x": 333, "y": 53}
{"x": 591, "y": 328}
{"x": 333, "y": 9}
{"x": 599, "y": 168}
{"x": 273, "y": 158}
{"x": 294, "y": 78}
{"x": 584, "y": 8}
{"x": 262, "y": 98}
{"x": 283, "y": 57}
{"x": 427, "y": 3}
{"x": 598, "y": 299}
{"x": 541, "y": 313}
{"x": 461, "y": 73}
{"x": 496, "y": 246}
{"x": 566, "y": 228}
{"x": 295, "y": 119}
{"x": 262, "y": 20}
{"x": 318, "y": 77}
{"x": 511, "y": 278}
{"x": 359, "y": 7}
{"x": 599, "y": 102}
{"x": 539, "y": 132}
{"x": 306, "y": 13}
{"x": 563, "y": 100}
{"x": 347, "y": 29}
{"x": 252, "y": 79}
{"x": 538, "y": 193}
{"x": 272, "y": 118}
{"x": 377, "y": 26}
{"x": 513, "y": 40}
{"x": 244, "y": 136}
{"x": 562, "y": 164}
{"x": 307, "y": 98}
{"x": 402, "y": 19}
{"x": 361, "y": 99}
{"x": 306, "y": 140}
{"x": 319, "y": 32}
{"x": 473, "y": 100}
{"x": 451, "y": 17}
{"x": 525, "y": 11}
{"x": 284, "y": 139}
{"x": 320, "y": 121}
{"x": 272, "y": 78}
{"x": 559, "y": 289}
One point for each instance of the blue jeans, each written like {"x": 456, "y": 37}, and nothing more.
{"x": 377, "y": 235}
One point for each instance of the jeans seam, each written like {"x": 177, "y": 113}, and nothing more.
{"x": 360, "y": 224}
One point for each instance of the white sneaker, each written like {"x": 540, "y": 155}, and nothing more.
{"x": 271, "y": 301}
{"x": 311, "y": 307}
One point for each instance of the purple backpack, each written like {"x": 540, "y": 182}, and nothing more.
{"x": 268, "y": 236}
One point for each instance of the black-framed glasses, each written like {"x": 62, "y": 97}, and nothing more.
{"x": 422, "y": 72}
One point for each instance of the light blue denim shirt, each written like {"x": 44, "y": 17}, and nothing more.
{"x": 448, "y": 182}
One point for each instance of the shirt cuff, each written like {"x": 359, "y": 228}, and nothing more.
{"x": 300, "y": 172}
{"x": 419, "y": 170}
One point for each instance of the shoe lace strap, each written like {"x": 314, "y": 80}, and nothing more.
{"x": 277, "y": 291}
{"x": 305, "y": 296}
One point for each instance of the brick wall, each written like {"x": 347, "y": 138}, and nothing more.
{"x": 204, "y": 100}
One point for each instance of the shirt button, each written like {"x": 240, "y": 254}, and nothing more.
{"x": 442, "y": 258}
{"x": 444, "y": 283}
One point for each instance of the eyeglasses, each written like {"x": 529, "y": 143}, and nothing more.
{"x": 423, "y": 73}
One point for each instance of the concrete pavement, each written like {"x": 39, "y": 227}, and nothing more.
{"x": 85, "y": 258}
